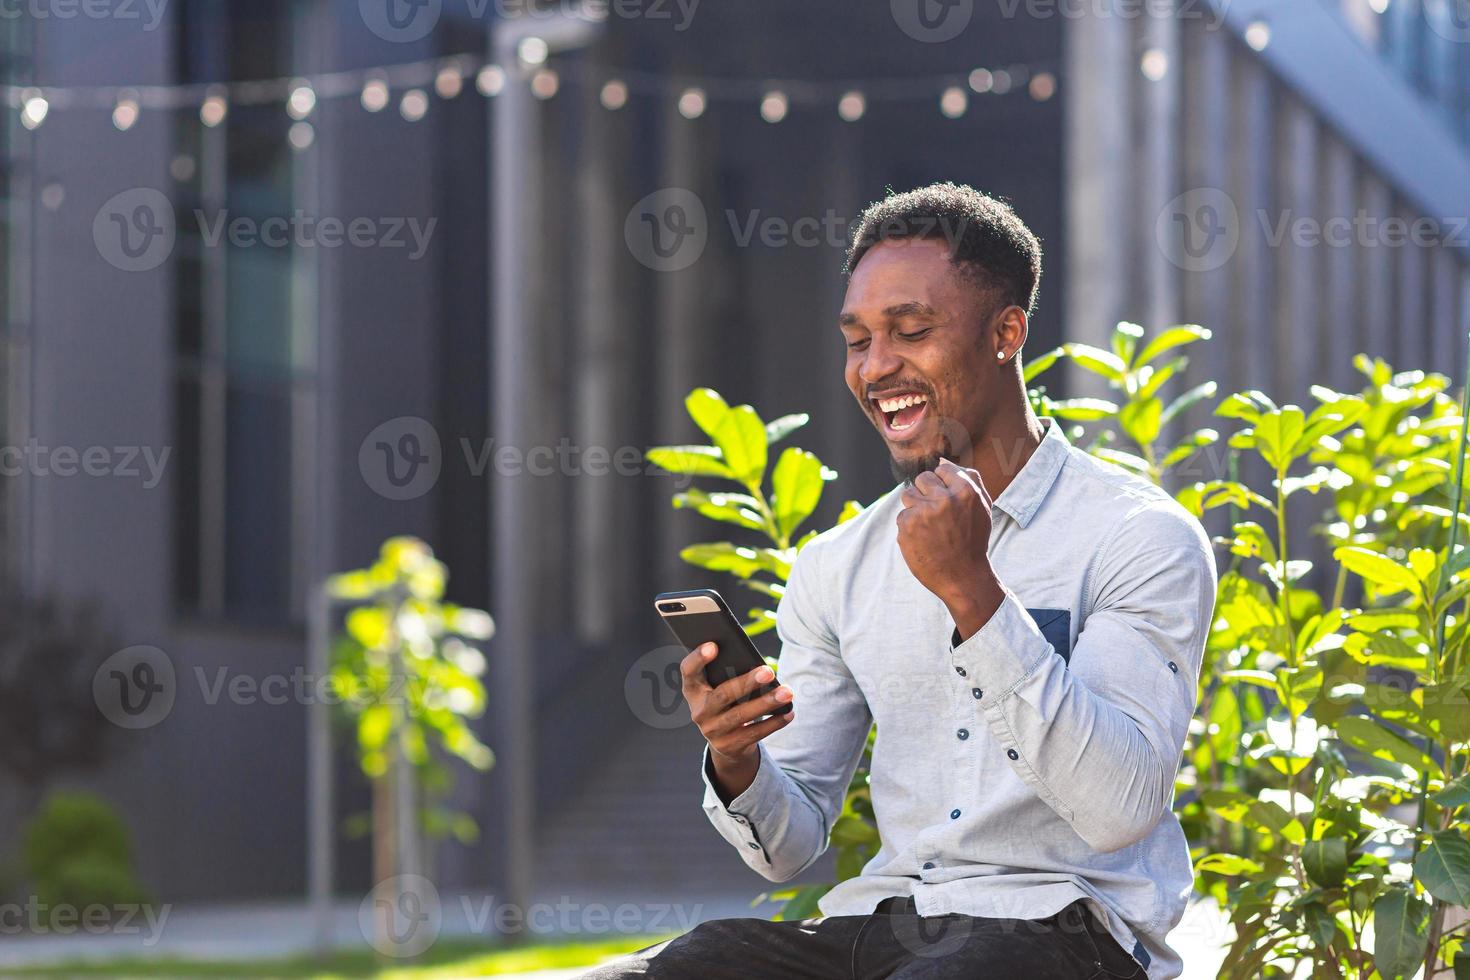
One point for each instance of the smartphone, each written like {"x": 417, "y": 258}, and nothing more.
{"x": 702, "y": 616}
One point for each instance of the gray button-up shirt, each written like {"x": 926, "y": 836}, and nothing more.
{"x": 1029, "y": 766}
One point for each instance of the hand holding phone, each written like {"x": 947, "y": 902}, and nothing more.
{"x": 732, "y": 694}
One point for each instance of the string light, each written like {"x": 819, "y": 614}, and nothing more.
{"x": 614, "y": 94}
{"x": 532, "y": 51}
{"x": 125, "y": 113}
{"x": 375, "y": 95}
{"x": 449, "y": 82}
{"x": 414, "y": 105}
{"x": 774, "y": 106}
{"x": 301, "y": 135}
{"x": 544, "y": 83}
{"x": 447, "y": 78}
{"x": 953, "y": 102}
{"x": 1258, "y": 35}
{"x": 1154, "y": 64}
{"x": 692, "y": 103}
{"x": 214, "y": 110}
{"x": 33, "y": 110}
{"x": 302, "y": 101}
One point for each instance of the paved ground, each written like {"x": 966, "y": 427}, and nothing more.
{"x": 265, "y": 930}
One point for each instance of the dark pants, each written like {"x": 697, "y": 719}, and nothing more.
{"x": 893, "y": 942}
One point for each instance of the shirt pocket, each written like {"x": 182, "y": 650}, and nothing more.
{"x": 1056, "y": 626}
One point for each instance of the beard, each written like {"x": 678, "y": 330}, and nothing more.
{"x": 907, "y": 470}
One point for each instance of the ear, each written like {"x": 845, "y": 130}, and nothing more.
{"x": 1009, "y": 333}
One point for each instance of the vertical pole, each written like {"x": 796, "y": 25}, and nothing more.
{"x": 514, "y": 153}
{"x": 319, "y": 843}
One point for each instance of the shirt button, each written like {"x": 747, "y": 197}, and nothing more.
{"x": 963, "y": 734}
{"x": 1173, "y": 666}
{"x": 954, "y": 814}
{"x": 753, "y": 846}
{"x": 977, "y": 692}
{"x": 1012, "y": 753}
{"x": 928, "y": 865}
{"x": 960, "y": 671}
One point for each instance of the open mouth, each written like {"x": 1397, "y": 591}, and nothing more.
{"x": 902, "y": 411}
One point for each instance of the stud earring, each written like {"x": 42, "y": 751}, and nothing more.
{"x": 1000, "y": 355}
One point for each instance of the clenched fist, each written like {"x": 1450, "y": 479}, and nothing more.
{"x": 944, "y": 534}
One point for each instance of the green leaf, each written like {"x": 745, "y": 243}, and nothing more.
{"x": 802, "y": 903}
{"x": 1454, "y": 794}
{"x": 1188, "y": 446}
{"x": 741, "y": 437}
{"x": 1190, "y": 397}
{"x": 694, "y": 460}
{"x": 1035, "y": 367}
{"x": 1247, "y": 405}
{"x": 1443, "y": 867}
{"x": 1277, "y": 434}
{"x": 778, "y": 429}
{"x": 1369, "y": 736}
{"x": 1083, "y": 409}
{"x": 1228, "y": 864}
{"x": 1462, "y": 965}
{"x": 1096, "y": 360}
{"x": 1326, "y": 861}
{"x": 1173, "y": 337}
{"x": 1400, "y": 933}
{"x": 1151, "y": 379}
{"x": 730, "y": 508}
{"x": 707, "y": 408}
{"x": 722, "y": 556}
{"x": 1382, "y": 571}
{"x": 1140, "y": 419}
{"x": 796, "y": 488}
{"x": 1125, "y": 340}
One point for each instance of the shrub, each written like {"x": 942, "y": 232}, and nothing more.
{"x": 1324, "y": 783}
{"x": 77, "y": 852}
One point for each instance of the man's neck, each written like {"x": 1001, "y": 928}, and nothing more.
{"x": 1002, "y": 451}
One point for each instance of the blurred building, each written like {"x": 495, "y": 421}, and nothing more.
{"x": 1164, "y": 161}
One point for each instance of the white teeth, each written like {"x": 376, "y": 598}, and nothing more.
{"x": 903, "y": 401}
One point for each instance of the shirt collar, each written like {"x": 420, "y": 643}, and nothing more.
{"x": 1029, "y": 488}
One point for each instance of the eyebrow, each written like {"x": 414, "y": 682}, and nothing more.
{"x": 895, "y": 312}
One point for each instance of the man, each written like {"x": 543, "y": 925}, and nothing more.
{"x": 1023, "y": 622}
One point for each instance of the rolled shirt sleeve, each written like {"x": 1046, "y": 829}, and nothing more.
{"x": 783, "y": 820}
{"x": 1099, "y": 738}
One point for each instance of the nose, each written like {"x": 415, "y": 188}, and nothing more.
{"x": 880, "y": 361}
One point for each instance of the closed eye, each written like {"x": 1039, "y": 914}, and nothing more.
{"x": 916, "y": 334}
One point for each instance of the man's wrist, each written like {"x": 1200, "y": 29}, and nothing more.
{"x": 972, "y": 609}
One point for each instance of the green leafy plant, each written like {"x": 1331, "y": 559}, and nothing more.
{"x": 77, "y": 853}
{"x": 407, "y": 677}
{"x": 1325, "y": 781}
{"x": 769, "y": 519}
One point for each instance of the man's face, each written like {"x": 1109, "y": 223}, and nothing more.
{"x": 917, "y": 358}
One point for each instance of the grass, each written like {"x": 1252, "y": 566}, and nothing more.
{"x": 444, "y": 961}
